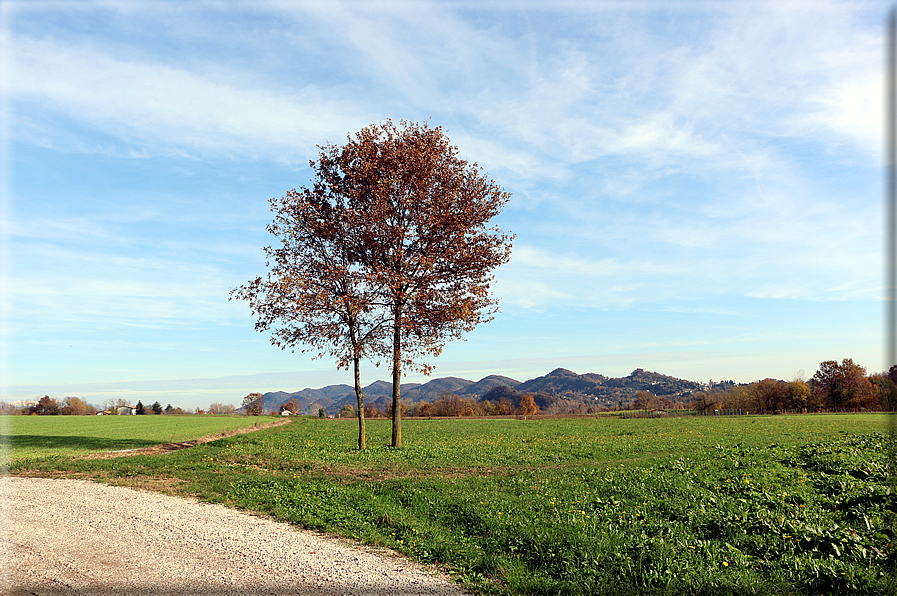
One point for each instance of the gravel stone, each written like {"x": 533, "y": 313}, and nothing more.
{"x": 75, "y": 537}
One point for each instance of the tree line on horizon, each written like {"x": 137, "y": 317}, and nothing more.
{"x": 835, "y": 387}
{"x": 75, "y": 406}
{"x": 452, "y": 405}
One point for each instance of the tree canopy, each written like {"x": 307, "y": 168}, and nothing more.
{"x": 843, "y": 385}
{"x": 253, "y": 404}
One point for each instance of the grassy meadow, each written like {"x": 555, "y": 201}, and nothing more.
{"x": 48, "y": 436}
{"x": 715, "y": 505}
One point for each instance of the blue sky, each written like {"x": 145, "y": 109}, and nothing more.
{"x": 696, "y": 186}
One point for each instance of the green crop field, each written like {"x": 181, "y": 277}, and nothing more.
{"x": 42, "y": 436}
{"x": 747, "y": 505}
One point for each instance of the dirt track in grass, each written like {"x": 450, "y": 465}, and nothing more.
{"x": 169, "y": 447}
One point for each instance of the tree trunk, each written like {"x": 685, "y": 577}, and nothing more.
{"x": 361, "y": 440}
{"x": 397, "y": 377}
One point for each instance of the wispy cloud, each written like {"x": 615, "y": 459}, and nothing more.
{"x": 171, "y": 109}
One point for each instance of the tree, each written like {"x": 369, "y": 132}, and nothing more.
{"x": 315, "y": 294}
{"x": 769, "y": 395}
{"x": 253, "y": 404}
{"x": 73, "y": 406}
{"x": 843, "y": 385}
{"x": 389, "y": 413}
{"x": 141, "y": 409}
{"x": 157, "y": 408}
{"x": 450, "y": 404}
{"x": 347, "y": 412}
{"x": 291, "y": 406}
{"x": 505, "y": 406}
{"x": 706, "y": 401}
{"x": 421, "y": 236}
{"x": 221, "y": 409}
{"x": 643, "y": 400}
{"x": 886, "y": 386}
{"x": 798, "y": 394}
{"x": 528, "y": 405}
{"x": 46, "y": 406}
{"x": 488, "y": 407}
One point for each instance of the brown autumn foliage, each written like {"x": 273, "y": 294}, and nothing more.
{"x": 528, "y": 405}
{"x": 46, "y": 406}
{"x": 505, "y": 407}
{"x": 75, "y": 406}
{"x": 886, "y": 389}
{"x": 450, "y": 404}
{"x": 291, "y": 406}
{"x": 642, "y": 400}
{"x": 843, "y": 386}
{"x": 838, "y": 386}
{"x": 253, "y": 404}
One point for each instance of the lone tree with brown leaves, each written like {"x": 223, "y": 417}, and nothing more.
{"x": 388, "y": 254}
{"x": 528, "y": 406}
{"x": 421, "y": 236}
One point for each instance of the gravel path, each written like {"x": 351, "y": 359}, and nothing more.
{"x": 75, "y": 537}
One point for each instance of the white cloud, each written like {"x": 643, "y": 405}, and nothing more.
{"x": 851, "y": 109}
{"x": 786, "y": 69}
{"x": 145, "y": 102}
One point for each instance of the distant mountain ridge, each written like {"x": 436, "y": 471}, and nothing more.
{"x": 561, "y": 383}
{"x": 561, "y": 380}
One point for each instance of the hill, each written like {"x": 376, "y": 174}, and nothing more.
{"x": 562, "y": 381}
{"x": 487, "y": 384}
{"x": 559, "y": 384}
{"x": 656, "y": 383}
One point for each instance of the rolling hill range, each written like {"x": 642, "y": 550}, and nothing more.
{"x": 560, "y": 383}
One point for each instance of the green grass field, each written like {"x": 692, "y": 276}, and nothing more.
{"x": 42, "y": 436}
{"x": 749, "y": 505}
